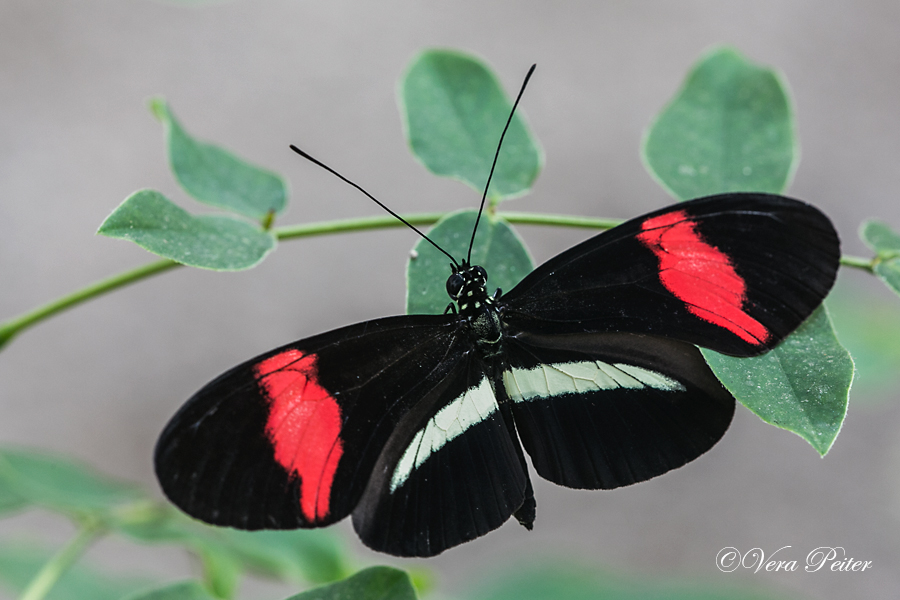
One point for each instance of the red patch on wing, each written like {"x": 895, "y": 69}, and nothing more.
{"x": 700, "y": 275}
{"x": 304, "y": 426}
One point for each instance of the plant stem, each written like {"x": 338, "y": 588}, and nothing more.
{"x": 866, "y": 264}
{"x": 383, "y": 222}
{"x": 360, "y": 224}
{"x": 520, "y": 218}
{"x": 13, "y": 327}
{"x": 56, "y": 567}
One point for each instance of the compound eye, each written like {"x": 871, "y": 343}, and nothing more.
{"x": 481, "y": 273}
{"x": 454, "y": 285}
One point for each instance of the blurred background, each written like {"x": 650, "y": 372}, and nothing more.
{"x": 99, "y": 382}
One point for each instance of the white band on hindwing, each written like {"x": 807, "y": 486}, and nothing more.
{"x": 549, "y": 380}
{"x": 472, "y": 407}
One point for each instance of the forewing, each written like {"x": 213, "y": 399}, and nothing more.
{"x": 451, "y": 472}
{"x": 290, "y": 438}
{"x": 600, "y": 411}
{"x": 735, "y": 273}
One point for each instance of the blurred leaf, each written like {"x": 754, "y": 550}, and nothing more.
{"x": 215, "y": 176}
{"x": 221, "y": 570}
{"x": 185, "y": 590}
{"x": 303, "y": 555}
{"x": 888, "y": 271}
{"x": 498, "y": 248}
{"x": 19, "y": 564}
{"x": 10, "y": 501}
{"x": 300, "y": 554}
{"x": 59, "y": 483}
{"x": 879, "y": 236}
{"x": 802, "y": 385}
{"x": 729, "y": 128}
{"x": 565, "y": 582}
{"x": 423, "y": 579}
{"x": 454, "y": 111}
{"x": 156, "y": 523}
{"x": 374, "y": 583}
{"x": 215, "y": 242}
{"x": 886, "y": 243}
{"x": 869, "y": 327}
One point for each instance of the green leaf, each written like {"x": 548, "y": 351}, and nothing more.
{"x": 869, "y": 327}
{"x": 423, "y": 579}
{"x": 374, "y": 583}
{"x": 10, "y": 501}
{"x": 215, "y": 242}
{"x": 567, "y": 582}
{"x": 729, "y": 128}
{"x": 498, "y": 248}
{"x": 888, "y": 271}
{"x": 185, "y": 590}
{"x": 152, "y": 522}
{"x": 215, "y": 176}
{"x": 886, "y": 243}
{"x": 801, "y": 385}
{"x": 221, "y": 570}
{"x": 299, "y": 555}
{"x": 20, "y": 563}
{"x": 60, "y": 484}
{"x": 454, "y": 111}
{"x": 879, "y": 236}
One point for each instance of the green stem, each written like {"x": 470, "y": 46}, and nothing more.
{"x": 559, "y": 220}
{"x": 383, "y": 222}
{"x": 360, "y": 224}
{"x": 866, "y": 264}
{"x": 56, "y": 567}
{"x": 14, "y": 326}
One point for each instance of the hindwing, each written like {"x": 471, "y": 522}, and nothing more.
{"x": 451, "y": 472}
{"x": 601, "y": 411}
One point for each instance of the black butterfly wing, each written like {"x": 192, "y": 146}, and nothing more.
{"x": 735, "y": 273}
{"x": 290, "y": 438}
{"x": 451, "y": 472}
{"x": 366, "y": 419}
{"x": 604, "y": 410}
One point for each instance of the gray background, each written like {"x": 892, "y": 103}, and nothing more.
{"x": 99, "y": 382}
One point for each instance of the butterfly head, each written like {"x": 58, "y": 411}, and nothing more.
{"x": 466, "y": 286}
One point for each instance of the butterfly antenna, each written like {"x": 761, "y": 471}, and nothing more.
{"x": 494, "y": 164}
{"x": 374, "y": 199}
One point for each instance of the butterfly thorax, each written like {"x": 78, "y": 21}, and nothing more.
{"x": 467, "y": 286}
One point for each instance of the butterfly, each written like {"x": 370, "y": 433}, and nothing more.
{"x": 418, "y": 425}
